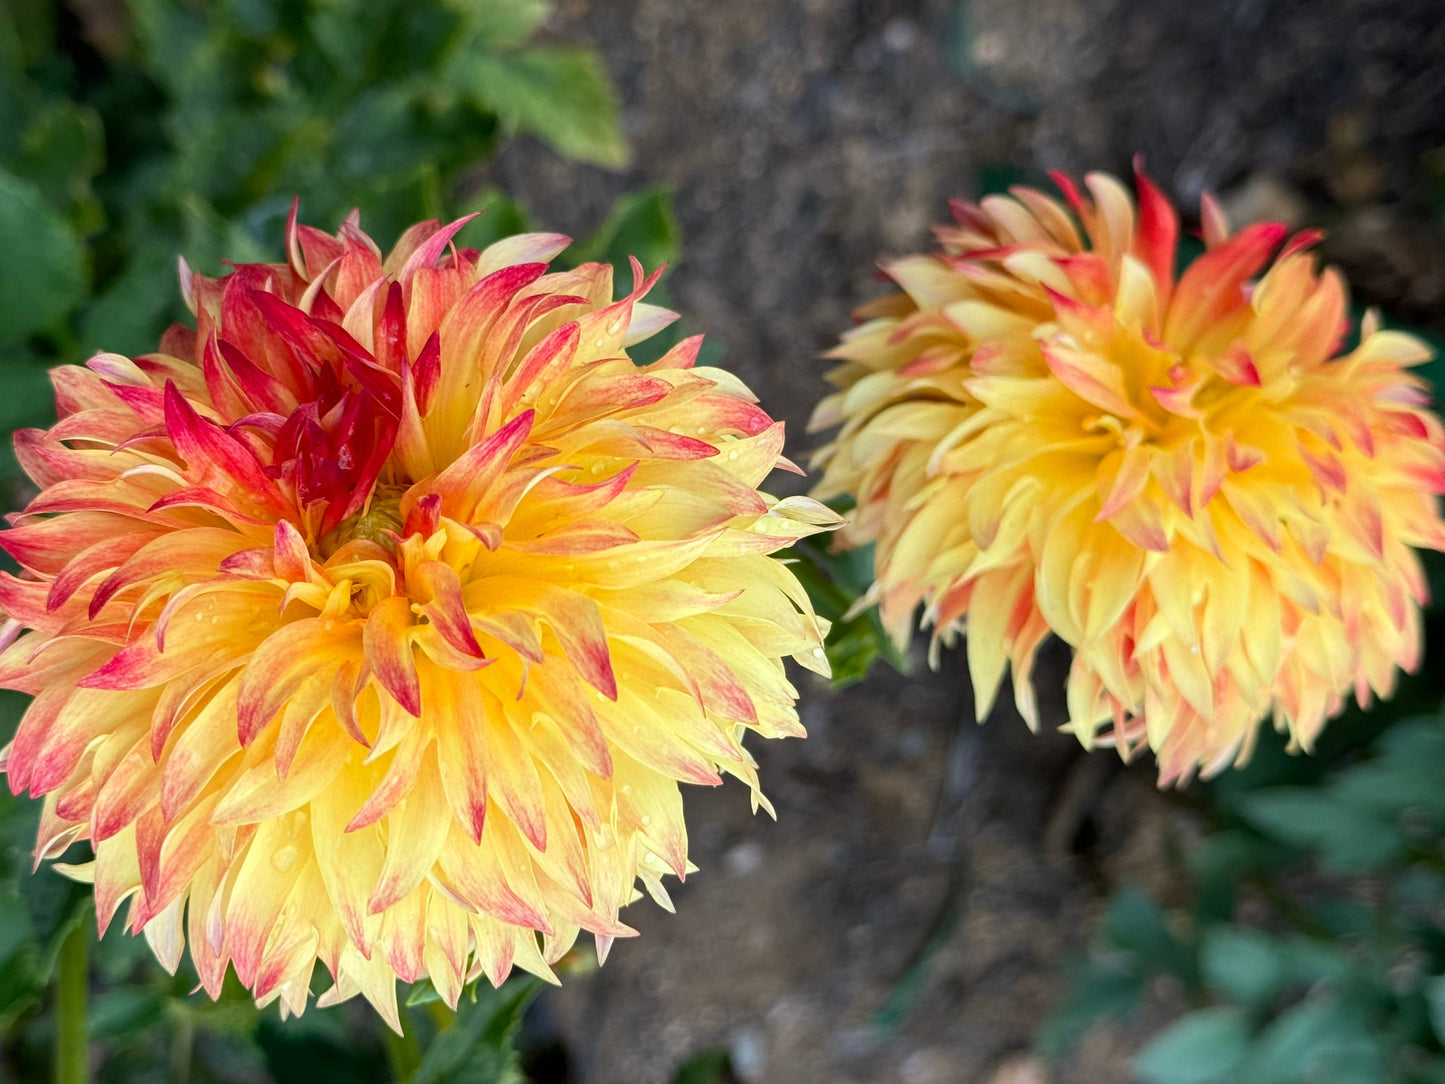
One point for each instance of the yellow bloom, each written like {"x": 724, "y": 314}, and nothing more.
{"x": 1183, "y": 479}
{"x": 377, "y": 620}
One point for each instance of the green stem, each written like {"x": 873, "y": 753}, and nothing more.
{"x": 72, "y": 1051}
{"x": 402, "y": 1054}
{"x": 183, "y": 1043}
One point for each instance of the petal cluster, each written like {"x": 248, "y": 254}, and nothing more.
{"x": 377, "y": 620}
{"x": 1189, "y": 479}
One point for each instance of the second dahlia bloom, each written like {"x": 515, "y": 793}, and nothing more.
{"x": 1184, "y": 478}
{"x": 376, "y": 621}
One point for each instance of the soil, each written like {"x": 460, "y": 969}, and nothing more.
{"x": 905, "y": 919}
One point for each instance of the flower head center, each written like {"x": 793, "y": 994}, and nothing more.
{"x": 380, "y": 522}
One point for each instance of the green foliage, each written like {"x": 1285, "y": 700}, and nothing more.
{"x": 835, "y": 581}
{"x": 42, "y": 277}
{"x": 1199, "y": 1049}
{"x": 183, "y": 128}
{"x": 1338, "y": 977}
{"x": 556, "y": 93}
{"x": 709, "y": 1067}
{"x": 477, "y": 1046}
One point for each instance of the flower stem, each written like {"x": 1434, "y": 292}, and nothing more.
{"x": 403, "y": 1055}
{"x": 72, "y": 1051}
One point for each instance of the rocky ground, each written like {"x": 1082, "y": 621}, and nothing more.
{"x": 905, "y": 919}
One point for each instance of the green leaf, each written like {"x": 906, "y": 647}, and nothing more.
{"x": 500, "y": 24}
{"x": 129, "y": 317}
{"x": 1346, "y": 838}
{"x": 1196, "y": 1049}
{"x": 1434, "y": 990}
{"x": 1135, "y": 922}
{"x": 1319, "y": 1040}
{"x": 29, "y": 399}
{"x": 709, "y": 1067}
{"x": 1105, "y": 987}
{"x": 62, "y": 149}
{"x": 1242, "y": 964}
{"x": 1308, "y": 960}
{"x": 1221, "y": 860}
{"x": 1404, "y": 775}
{"x": 834, "y": 582}
{"x": 15, "y": 928}
{"x": 477, "y": 1045}
{"x": 422, "y": 992}
{"x": 126, "y": 1010}
{"x": 78, "y": 911}
{"x": 500, "y": 217}
{"x": 30, "y": 29}
{"x": 175, "y": 46}
{"x": 561, "y": 94}
{"x": 640, "y": 224}
{"x": 43, "y": 274}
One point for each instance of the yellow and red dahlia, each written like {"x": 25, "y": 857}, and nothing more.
{"x": 377, "y": 620}
{"x": 1184, "y": 478}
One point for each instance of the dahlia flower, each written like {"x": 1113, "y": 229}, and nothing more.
{"x": 1189, "y": 479}
{"x": 377, "y": 620}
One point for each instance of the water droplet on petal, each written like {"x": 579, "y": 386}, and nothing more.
{"x": 285, "y": 858}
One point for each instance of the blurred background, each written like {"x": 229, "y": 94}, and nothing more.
{"x": 938, "y": 902}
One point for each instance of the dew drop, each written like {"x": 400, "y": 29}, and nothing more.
{"x": 818, "y": 653}
{"x": 215, "y": 620}
{"x": 285, "y": 858}
{"x": 604, "y": 838}
{"x": 200, "y": 617}
{"x": 701, "y": 429}
{"x": 626, "y": 788}
{"x": 651, "y": 859}
{"x": 596, "y": 468}
{"x": 646, "y": 821}
{"x": 732, "y": 455}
